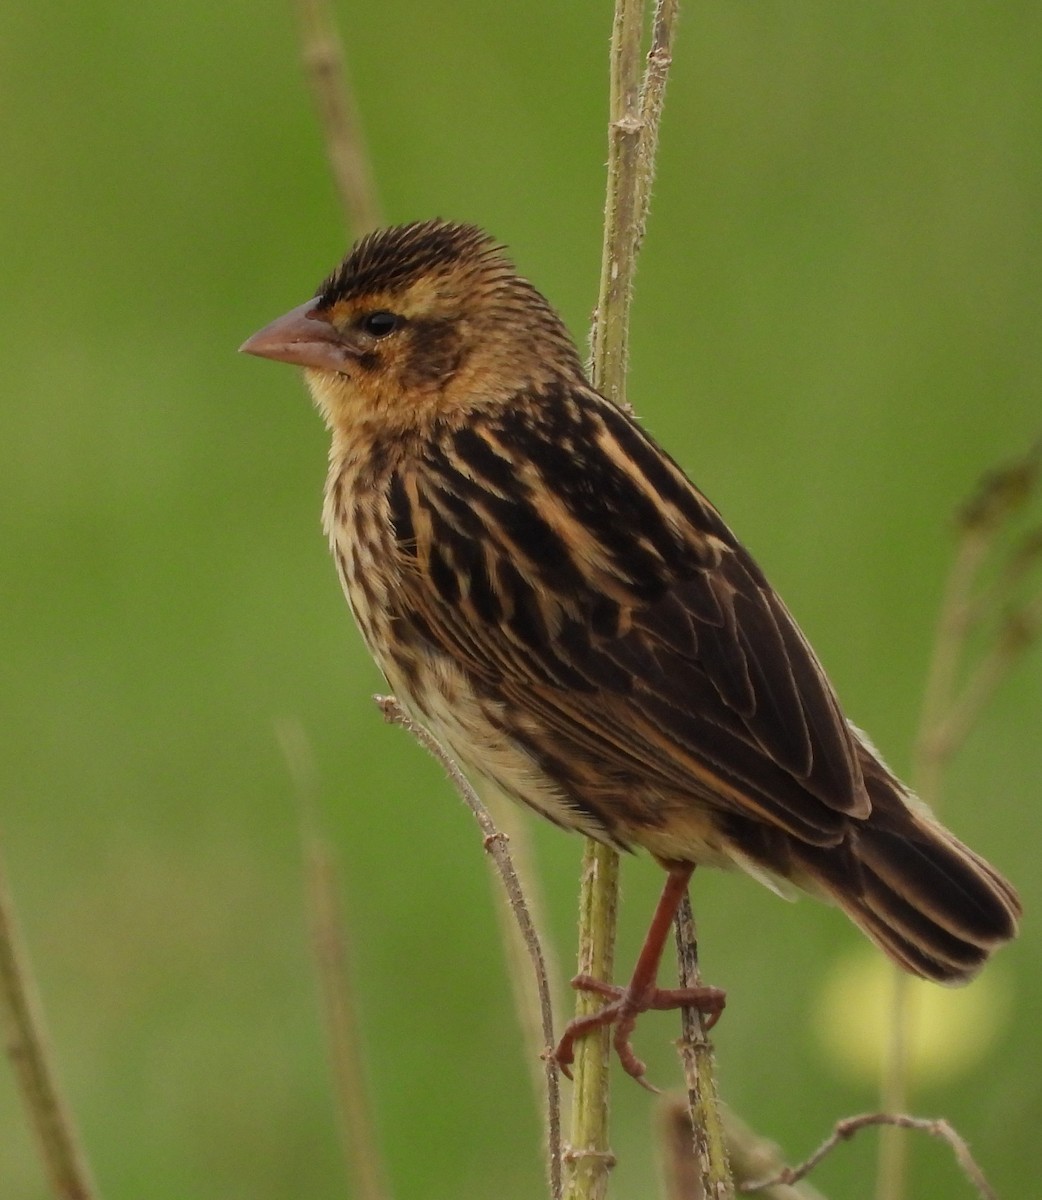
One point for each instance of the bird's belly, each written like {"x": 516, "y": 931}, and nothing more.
{"x": 473, "y": 731}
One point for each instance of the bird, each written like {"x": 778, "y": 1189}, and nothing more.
{"x": 553, "y": 599}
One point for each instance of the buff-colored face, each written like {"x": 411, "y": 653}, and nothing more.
{"x": 457, "y": 330}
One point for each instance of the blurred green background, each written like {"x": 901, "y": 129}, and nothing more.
{"x": 837, "y": 329}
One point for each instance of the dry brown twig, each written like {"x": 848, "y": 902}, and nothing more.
{"x": 751, "y": 1157}
{"x": 326, "y": 66}
{"x": 496, "y": 845}
{"x": 324, "y": 60}
{"x": 950, "y": 710}
{"x": 696, "y": 1055}
{"x": 27, "y": 1044}
{"x": 652, "y": 99}
{"x": 949, "y": 713}
{"x": 844, "y": 1130}
{"x": 331, "y": 951}
{"x": 515, "y": 826}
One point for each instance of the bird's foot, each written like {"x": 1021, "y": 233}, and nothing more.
{"x": 623, "y": 1007}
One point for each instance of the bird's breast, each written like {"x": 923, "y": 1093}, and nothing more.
{"x": 356, "y": 519}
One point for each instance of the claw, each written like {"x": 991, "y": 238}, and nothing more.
{"x": 626, "y": 1004}
{"x": 622, "y": 1010}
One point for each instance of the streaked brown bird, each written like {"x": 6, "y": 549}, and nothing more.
{"x": 550, "y": 595}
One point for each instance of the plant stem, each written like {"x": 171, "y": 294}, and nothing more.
{"x": 948, "y": 715}
{"x": 323, "y": 55}
{"x": 21, "y": 1019}
{"x": 514, "y": 825}
{"x": 496, "y": 845}
{"x": 331, "y": 954}
{"x": 610, "y": 341}
{"x": 589, "y": 1156}
{"x": 331, "y": 949}
{"x": 635, "y": 109}
{"x": 696, "y": 1053}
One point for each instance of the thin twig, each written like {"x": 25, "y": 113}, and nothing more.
{"x": 844, "y": 1130}
{"x": 589, "y": 1157}
{"x": 345, "y": 144}
{"x": 953, "y": 628}
{"x": 610, "y": 338}
{"x": 1003, "y": 490}
{"x": 652, "y": 98}
{"x": 999, "y": 495}
{"x": 331, "y": 951}
{"x": 695, "y": 1051}
{"x": 950, "y": 713}
{"x": 696, "y": 1054}
{"x": 751, "y": 1156}
{"x": 1023, "y": 558}
{"x": 511, "y": 821}
{"x": 21, "y": 1018}
{"x": 496, "y": 845}
{"x": 754, "y": 1157}
{"x": 892, "y": 1157}
{"x": 1019, "y": 629}
{"x": 326, "y": 66}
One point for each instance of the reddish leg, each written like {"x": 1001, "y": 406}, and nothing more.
{"x": 642, "y": 992}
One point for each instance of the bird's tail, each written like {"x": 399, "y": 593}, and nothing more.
{"x": 936, "y": 908}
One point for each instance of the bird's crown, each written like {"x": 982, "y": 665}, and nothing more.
{"x": 394, "y": 259}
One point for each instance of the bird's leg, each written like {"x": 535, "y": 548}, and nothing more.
{"x": 642, "y": 992}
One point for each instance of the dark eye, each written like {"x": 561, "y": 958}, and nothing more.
{"x": 380, "y": 324}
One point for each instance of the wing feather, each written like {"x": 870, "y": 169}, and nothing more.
{"x": 600, "y": 594}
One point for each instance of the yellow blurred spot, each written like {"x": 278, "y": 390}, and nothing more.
{"x": 949, "y": 1029}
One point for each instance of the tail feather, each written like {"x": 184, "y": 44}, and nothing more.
{"x": 913, "y": 925}
{"x": 914, "y": 949}
{"x": 933, "y": 905}
{"x": 944, "y": 880}
{"x": 937, "y": 908}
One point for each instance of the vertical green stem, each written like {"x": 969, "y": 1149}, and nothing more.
{"x": 619, "y": 255}
{"x": 590, "y": 1158}
{"x": 635, "y": 106}
{"x": 589, "y": 1155}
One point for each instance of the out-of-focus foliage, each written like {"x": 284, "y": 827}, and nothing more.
{"x": 837, "y": 328}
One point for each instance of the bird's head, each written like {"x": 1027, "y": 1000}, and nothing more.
{"x": 420, "y": 320}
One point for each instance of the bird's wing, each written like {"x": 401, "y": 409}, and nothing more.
{"x": 568, "y": 566}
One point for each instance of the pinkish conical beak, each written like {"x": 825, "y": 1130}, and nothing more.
{"x": 303, "y": 337}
